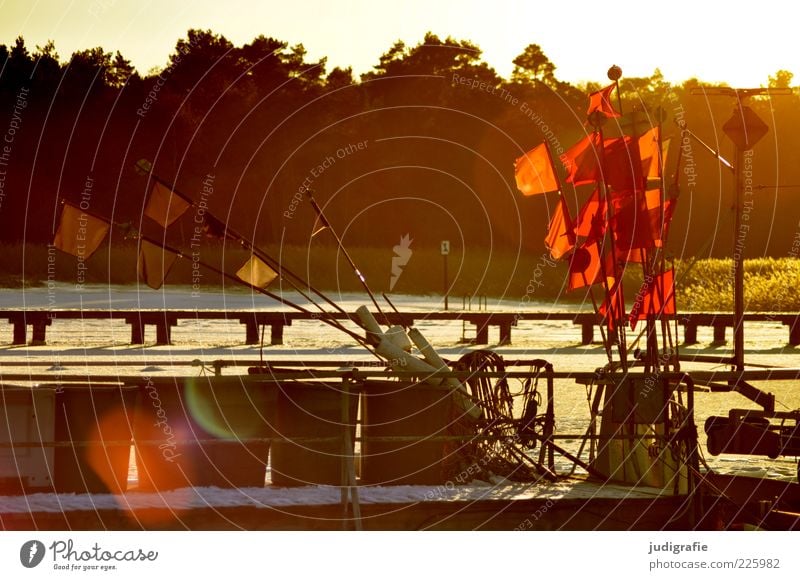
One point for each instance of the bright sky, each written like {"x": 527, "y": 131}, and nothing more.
{"x": 739, "y": 42}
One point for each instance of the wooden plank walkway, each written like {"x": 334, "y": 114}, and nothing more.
{"x": 165, "y": 320}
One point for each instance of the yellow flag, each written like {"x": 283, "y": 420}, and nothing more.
{"x": 256, "y": 273}
{"x": 79, "y": 233}
{"x": 165, "y": 206}
{"x": 154, "y": 264}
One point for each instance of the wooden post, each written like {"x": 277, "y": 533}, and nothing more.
{"x": 251, "y": 329}
{"x": 20, "y": 330}
{"x": 587, "y": 333}
{"x": 794, "y": 331}
{"x": 719, "y": 333}
{"x": 276, "y": 333}
{"x": 349, "y": 492}
{"x": 39, "y": 332}
{"x": 505, "y": 333}
{"x": 163, "y": 332}
{"x": 690, "y": 332}
{"x": 481, "y": 330}
{"x": 137, "y": 329}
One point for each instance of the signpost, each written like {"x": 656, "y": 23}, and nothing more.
{"x": 445, "y": 253}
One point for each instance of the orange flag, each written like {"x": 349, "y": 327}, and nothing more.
{"x": 154, "y": 264}
{"x": 79, "y": 233}
{"x": 601, "y": 101}
{"x": 561, "y": 234}
{"x": 534, "y": 172}
{"x": 582, "y": 160}
{"x": 648, "y": 150}
{"x": 165, "y": 206}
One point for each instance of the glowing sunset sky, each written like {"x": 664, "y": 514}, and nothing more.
{"x": 740, "y": 43}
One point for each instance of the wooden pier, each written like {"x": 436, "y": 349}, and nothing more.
{"x": 165, "y": 320}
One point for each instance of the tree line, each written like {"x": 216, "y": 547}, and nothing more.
{"x": 423, "y": 144}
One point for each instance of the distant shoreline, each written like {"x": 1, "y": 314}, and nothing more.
{"x": 769, "y": 282}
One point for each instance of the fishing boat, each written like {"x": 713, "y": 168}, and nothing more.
{"x": 412, "y": 440}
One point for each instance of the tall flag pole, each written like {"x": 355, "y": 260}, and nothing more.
{"x": 600, "y": 109}
{"x": 325, "y": 223}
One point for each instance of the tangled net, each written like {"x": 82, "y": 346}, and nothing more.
{"x": 498, "y": 443}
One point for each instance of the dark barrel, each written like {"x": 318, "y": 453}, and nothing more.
{"x": 311, "y": 410}
{"x": 404, "y": 410}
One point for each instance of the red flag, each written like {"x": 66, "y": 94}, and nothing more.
{"x": 165, "y": 206}
{"x": 656, "y": 297}
{"x": 622, "y": 164}
{"x": 601, "y": 101}
{"x": 560, "y": 237}
{"x": 613, "y": 307}
{"x": 582, "y": 160}
{"x": 638, "y": 223}
{"x": 586, "y": 269}
{"x": 591, "y": 218}
{"x": 534, "y": 172}
{"x": 621, "y": 167}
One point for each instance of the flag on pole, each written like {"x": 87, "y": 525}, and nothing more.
{"x": 622, "y": 166}
{"x": 534, "y": 172}
{"x": 256, "y": 273}
{"x": 652, "y": 162}
{"x": 582, "y": 160}
{"x": 319, "y": 226}
{"x": 214, "y": 228}
{"x": 165, "y": 206}
{"x": 613, "y": 307}
{"x": 601, "y": 101}
{"x": 560, "y": 237}
{"x": 154, "y": 264}
{"x": 79, "y": 233}
{"x": 591, "y": 218}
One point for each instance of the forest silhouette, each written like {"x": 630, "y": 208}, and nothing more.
{"x": 423, "y": 144}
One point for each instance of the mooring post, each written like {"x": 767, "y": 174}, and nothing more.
{"x": 794, "y": 330}
{"x": 689, "y": 332}
{"x": 276, "y": 333}
{"x": 719, "y": 333}
{"x": 20, "y": 330}
{"x": 481, "y": 330}
{"x": 39, "y": 332}
{"x": 251, "y": 329}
